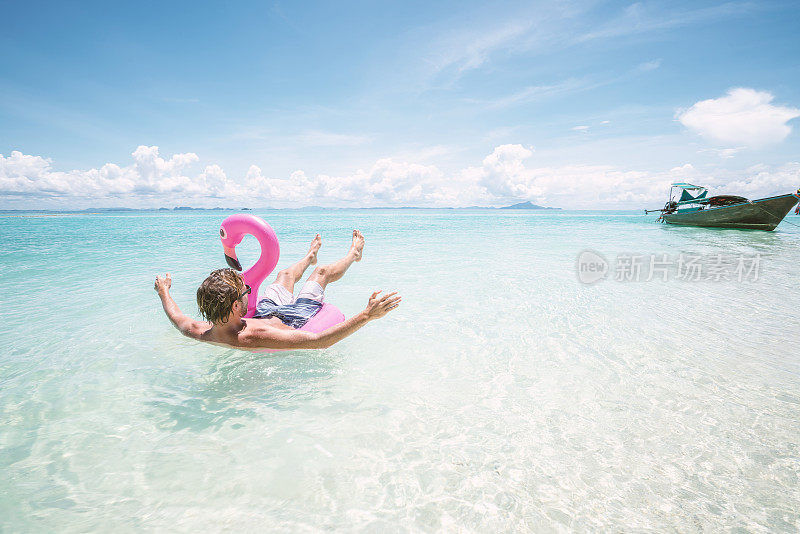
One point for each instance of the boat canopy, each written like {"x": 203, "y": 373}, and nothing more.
{"x": 689, "y": 192}
{"x": 684, "y": 185}
{"x": 686, "y": 196}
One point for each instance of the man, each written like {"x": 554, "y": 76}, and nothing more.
{"x": 222, "y": 299}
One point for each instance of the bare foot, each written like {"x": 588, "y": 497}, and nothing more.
{"x": 358, "y": 245}
{"x": 314, "y": 248}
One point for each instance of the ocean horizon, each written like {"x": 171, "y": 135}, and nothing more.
{"x": 302, "y": 208}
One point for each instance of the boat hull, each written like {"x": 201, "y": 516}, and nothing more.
{"x": 762, "y": 214}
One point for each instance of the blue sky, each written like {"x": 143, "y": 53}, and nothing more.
{"x": 577, "y": 104}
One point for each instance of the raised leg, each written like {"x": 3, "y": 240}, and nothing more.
{"x": 325, "y": 274}
{"x": 288, "y": 277}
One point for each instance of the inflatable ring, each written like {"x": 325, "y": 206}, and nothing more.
{"x": 232, "y": 231}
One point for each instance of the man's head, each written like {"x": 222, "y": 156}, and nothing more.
{"x": 221, "y": 295}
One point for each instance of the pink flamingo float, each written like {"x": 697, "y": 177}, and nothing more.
{"x": 231, "y": 233}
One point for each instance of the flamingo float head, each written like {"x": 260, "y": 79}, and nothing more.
{"x": 229, "y": 242}
{"x": 231, "y": 232}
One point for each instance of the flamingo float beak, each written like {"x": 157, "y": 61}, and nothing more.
{"x": 230, "y": 257}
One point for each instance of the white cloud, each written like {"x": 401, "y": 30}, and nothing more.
{"x": 421, "y": 153}
{"x": 535, "y": 93}
{"x": 546, "y": 27}
{"x": 467, "y": 50}
{"x": 647, "y": 19}
{"x": 386, "y": 183}
{"x": 504, "y": 173}
{"x": 150, "y": 175}
{"x": 724, "y": 153}
{"x": 582, "y": 128}
{"x": 650, "y": 65}
{"x": 762, "y": 180}
{"x": 741, "y": 117}
{"x": 505, "y": 177}
{"x": 22, "y": 174}
{"x": 509, "y": 174}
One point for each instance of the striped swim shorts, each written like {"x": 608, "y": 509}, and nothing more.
{"x": 277, "y": 301}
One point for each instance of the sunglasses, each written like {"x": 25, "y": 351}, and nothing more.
{"x": 246, "y": 292}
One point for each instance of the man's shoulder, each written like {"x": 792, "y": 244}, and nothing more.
{"x": 215, "y": 337}
{"x": 258, "y": 329}
{"x": 197, "y": 329}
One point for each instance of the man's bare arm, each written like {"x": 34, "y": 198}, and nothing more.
{"x": 273, "y": 338}
{"x": 187, "y": 326}
{"x": 287, "y": 339}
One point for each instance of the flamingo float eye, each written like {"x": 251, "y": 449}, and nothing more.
{"x": 222, "y": 233}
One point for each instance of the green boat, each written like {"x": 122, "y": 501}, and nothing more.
{"x": 690, "y": 205}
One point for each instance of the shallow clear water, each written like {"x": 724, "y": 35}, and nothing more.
{"x": 503, "y": 395}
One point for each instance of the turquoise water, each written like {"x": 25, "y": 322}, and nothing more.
{"x": 503, "y": 395}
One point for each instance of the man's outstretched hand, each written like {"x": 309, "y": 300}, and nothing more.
{"x": 380, "y": 306}
{"x": 162, "y": 285}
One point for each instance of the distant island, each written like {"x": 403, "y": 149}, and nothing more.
{"x": 189, "y": 208}
{"x": 527, "y": 206}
